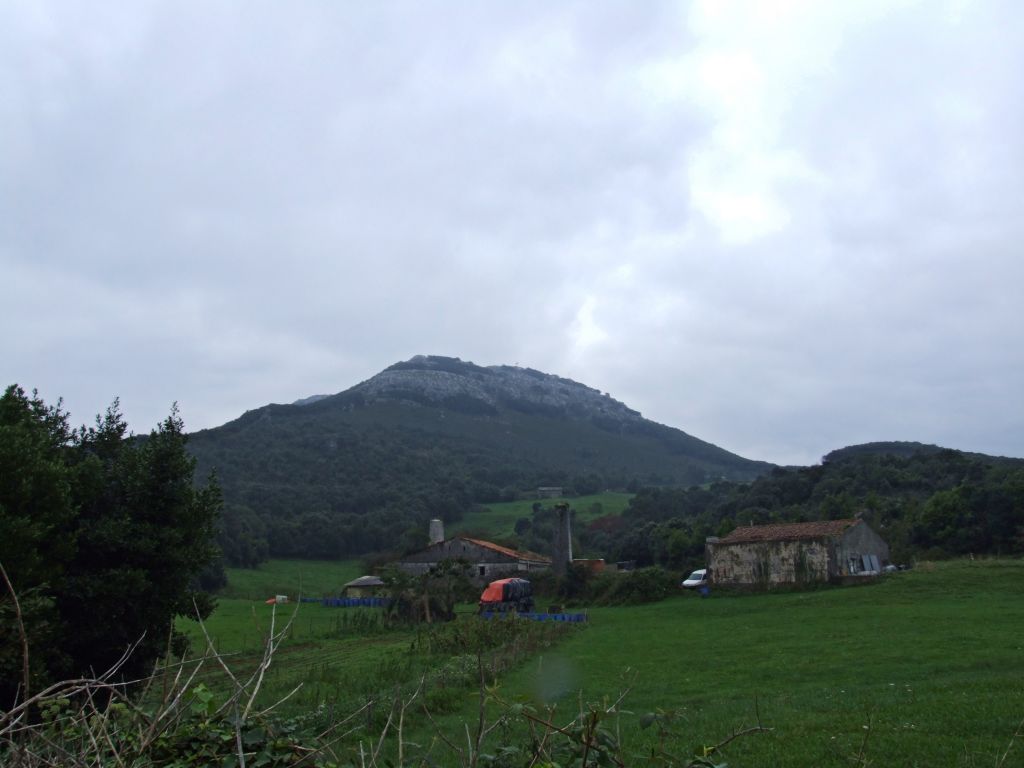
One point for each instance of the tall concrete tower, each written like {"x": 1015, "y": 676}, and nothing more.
{"x": 562, "y": 549}
{"x": 436, "y": 531}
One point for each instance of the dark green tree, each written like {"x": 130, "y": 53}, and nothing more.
{"x": 37, "y": 540}
{"x": 110, "y": 533}
{"x": 242, "y": 537}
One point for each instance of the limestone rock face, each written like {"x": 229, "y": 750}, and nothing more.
{"x": 449, "y": 381}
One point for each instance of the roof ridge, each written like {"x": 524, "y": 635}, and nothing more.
{"x": 517, "y": 553}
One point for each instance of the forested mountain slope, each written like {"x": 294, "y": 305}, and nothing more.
{"x": 365, "y": 469}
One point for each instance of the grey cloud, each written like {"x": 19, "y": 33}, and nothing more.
{"x": 234, "y": 204}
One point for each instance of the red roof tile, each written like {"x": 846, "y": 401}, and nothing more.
{"x": 515, "y": 554}
{"x": 788, "y": 531}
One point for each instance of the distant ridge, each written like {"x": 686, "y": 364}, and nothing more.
{"x": 900, "y": 448}
{"x": 310, "y": 400}
{"x": 903, "y": 449}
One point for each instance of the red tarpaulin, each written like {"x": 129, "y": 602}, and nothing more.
{"x": 495, "y": 591}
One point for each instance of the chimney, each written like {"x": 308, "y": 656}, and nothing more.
{"x": 436, "y": 531}
{"x": 562, "y": 550}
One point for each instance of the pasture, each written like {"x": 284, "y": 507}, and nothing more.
{"x": 925, "y": 668}
{"x": 315, "y": 578}
{"x": 499, "y": 519}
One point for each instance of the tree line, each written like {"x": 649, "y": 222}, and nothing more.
{"x": 927, "y": 503}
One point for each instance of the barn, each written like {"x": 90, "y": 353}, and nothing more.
{"x": 764, "y": 556}
{"x": 488, "y": 561}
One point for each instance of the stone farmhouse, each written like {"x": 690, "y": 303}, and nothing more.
{"x": 763, "y": 556}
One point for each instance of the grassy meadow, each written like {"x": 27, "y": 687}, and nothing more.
{"x": 313, "y": 578}
{"x": 925, "y": 668}
{"x": 242, "y": 619}
{"x": 499, "y": 519}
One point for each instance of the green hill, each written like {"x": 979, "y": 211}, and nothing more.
{"x": 365, "y": 469}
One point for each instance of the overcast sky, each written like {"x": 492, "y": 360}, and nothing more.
{"x": 783, "y": 227}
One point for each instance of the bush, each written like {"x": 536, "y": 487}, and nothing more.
{"x": 646, "y": 585}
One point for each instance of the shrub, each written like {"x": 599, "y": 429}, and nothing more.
{"x": 646, "y": 585}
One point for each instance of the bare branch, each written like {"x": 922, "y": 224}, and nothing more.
{"x": 1016, "y": 735}
{"x": 735, "y": 735}
{"x": 279, "y": 702}
{"x": 238, "y": 739}
{"x": 25, "y": 678}
{"x": 273, "y": 643}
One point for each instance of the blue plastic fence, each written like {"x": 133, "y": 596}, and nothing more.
{"x": 348, "y": 602}
{"x": 570, "y": 617}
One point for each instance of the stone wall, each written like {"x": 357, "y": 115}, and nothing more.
{"x": 765, "y": 564}
{"x": 858, "y": 541}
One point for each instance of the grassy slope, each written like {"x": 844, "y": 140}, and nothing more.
{"x": 499, "y": 520}
{"x": 313, "y": 578}
{"x": 932, "y": 660}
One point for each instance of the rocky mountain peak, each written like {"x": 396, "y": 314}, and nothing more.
{"x": 448, "y": 381}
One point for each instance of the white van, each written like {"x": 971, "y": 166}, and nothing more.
{"x": 696, "y": 579}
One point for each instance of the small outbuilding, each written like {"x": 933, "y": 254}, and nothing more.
{"x": 763, "y": 556}
{"x": 364, "y": 586}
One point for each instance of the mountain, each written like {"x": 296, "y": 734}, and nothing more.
{"x": 429, "y": 437}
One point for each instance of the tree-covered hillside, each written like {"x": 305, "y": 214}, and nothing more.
{"x": 927, "y": 502}
{"x": 365, "y": 469}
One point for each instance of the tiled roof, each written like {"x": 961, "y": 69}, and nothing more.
{"x": 788, "y": 531}
{"x": 366, "y": 581}
{"x": 515, "y": 554}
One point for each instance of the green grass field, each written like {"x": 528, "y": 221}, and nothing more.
{"x": 925, "y": 668}
{"x": 314, "y": 578}
{"x": 499, "y": 520}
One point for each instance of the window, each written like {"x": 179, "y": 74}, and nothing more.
{"x": 483, "y": 570}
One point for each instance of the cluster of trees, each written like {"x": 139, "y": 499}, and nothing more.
{"x": 293, "y": 493}
{"x": 430, "y": 596}
{"x": 103, "y": 540}
{"x": 363, "y": 513}
{"x": 926, "y": 502}
{"x": 249, "y": 536}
